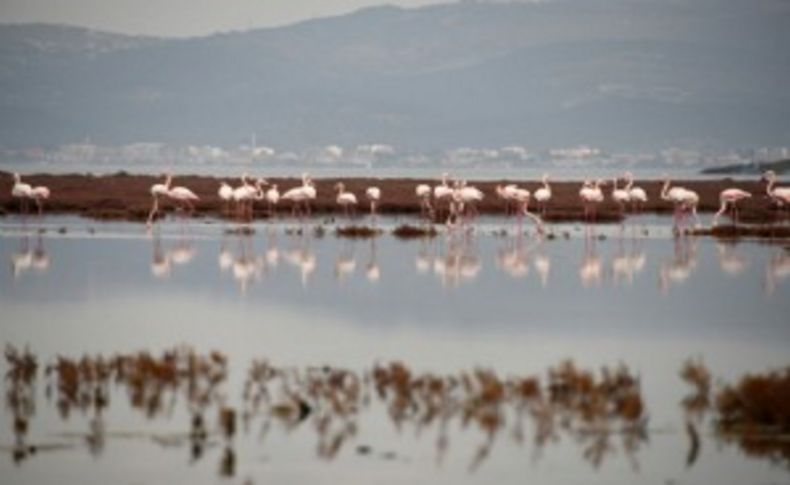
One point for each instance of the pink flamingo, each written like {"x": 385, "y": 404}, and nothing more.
{"x": 591, "y": 195}
{"x": 23, "y": 192}
{"x": 157, "y": 191}
{"x": 373, "y": 194}
{"x": 346, "y": 200}
{"x": 730, "y": 197}
{"x": 423, "y": 192}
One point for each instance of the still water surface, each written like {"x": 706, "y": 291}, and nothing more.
{"x": 496, "y": 300}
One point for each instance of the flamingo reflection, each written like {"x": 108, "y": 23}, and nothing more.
{"x": 591, "y": 268}
{"x": 345, "y": 263}
{"x": 777, "y": 269}
{"x": 246, "y": 266}
{"x": 513, "y": 258}
{"x": 460, "y": 263}
{"x": 372, "y": 271}
{"x": 680, "y": 268}
{"x": 627, "y": 264}
{"x": 731, "y": 261}
{"x": 28, "y": 258}
{"x": 162, "y": 261}
{"x": 302, "y": 258}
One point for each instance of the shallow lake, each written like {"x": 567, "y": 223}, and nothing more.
{"x": 497, "y": 298}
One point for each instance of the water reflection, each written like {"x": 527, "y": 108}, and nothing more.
{"x": 180, "y": 253}
{"x": 513, "y": 259}
{"x": 603, "y": 413}
{"x": 626, "y": 265}
{"x": 777, "y": 269}
{"x": 27, "y": 257}
{"x": 730, "y": 260}
{"x": 591, "y": 267}
{"x": 458, "y": 262}
{"x": 301, "y": 257}
{"x": 345, "y": 263}
{"x": 683, "y": 263}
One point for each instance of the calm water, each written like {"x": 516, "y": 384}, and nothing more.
{"x": 493, "y": 299}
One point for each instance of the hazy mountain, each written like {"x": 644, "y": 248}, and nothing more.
{"x": 616, "y": 73}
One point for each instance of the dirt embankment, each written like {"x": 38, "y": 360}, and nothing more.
{"x": 122, "y": 196}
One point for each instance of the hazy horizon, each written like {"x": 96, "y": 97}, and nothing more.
{"x": 179, "y": 18}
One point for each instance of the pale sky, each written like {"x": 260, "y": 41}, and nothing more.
{"x": 179, "y": 18}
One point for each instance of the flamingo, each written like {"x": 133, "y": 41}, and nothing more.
{"x": 543, "y": 194}
{"x": 373, "y": 194}
{"x": 591, "y": 196}
{"x": 301, "y": 195}
{"x": 157, "y": 191}
{"x": 620, "y": 196}
{"x": 21, "y": 191}
{"x": 683, "y": 199}
{"x": 637, "y": 195}
{"x": 184, "y": 197}
{"x": 309, "y": 190}
{"x": 243, "y": 196}
{"x": 346, "y": 200}
{"x": 467, "y": 197}
{"x": 780, "y": 195}
{"x": 272, "y": 197}
{"x": 39, "y": 194}
{"x": 423, "y": 192}
{"x": 443, "y": 191}
{"x": 225, "y": 194}
{"x": 521, "y": 197}
{"x": 730, "y": 197}
{"x": 506, "y": 193}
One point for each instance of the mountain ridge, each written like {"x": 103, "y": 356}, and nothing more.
{"x": 620, "y": 73}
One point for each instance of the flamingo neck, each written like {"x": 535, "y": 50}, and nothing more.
{"x": 769, "y": 188}
{"x": 629, "y": 183}
{"x": 665, "y": 189}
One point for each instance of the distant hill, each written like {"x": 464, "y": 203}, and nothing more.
{"x": 615, "y": 73}
{"x": 780, "y": 167}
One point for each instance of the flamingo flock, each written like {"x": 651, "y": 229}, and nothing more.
{"x": 452, "y": 201}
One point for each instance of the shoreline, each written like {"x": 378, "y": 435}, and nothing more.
{"x": 124, "y": 196}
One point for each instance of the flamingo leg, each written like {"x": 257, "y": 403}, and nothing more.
{"x": 153, "y": 212}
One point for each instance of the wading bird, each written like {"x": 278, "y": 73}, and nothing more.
{"x": 620, "y": 196}
{"x": 300, "y": 196}
{"x": 543, "y": 194}
{"x": 591, "y": 195}
{"x": 779, "y": 195}
{"x": 423, "y": 192}
{"x": 637, "y": 195}
{"x": 23, "y": 192}
{"x": 272, "y": 198}
{"x": 225, "y": 194}
{"x": 683, "y": 199}
{"x": 443, "y": 194}
{"x": 184, "y": 198}
{"x": 346, "y": 200}
{"x": 157, "y": 191}
{"x": 373, "y": 194}
{"x": 243, "y": 196}
{"x": 730, "y": 197}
